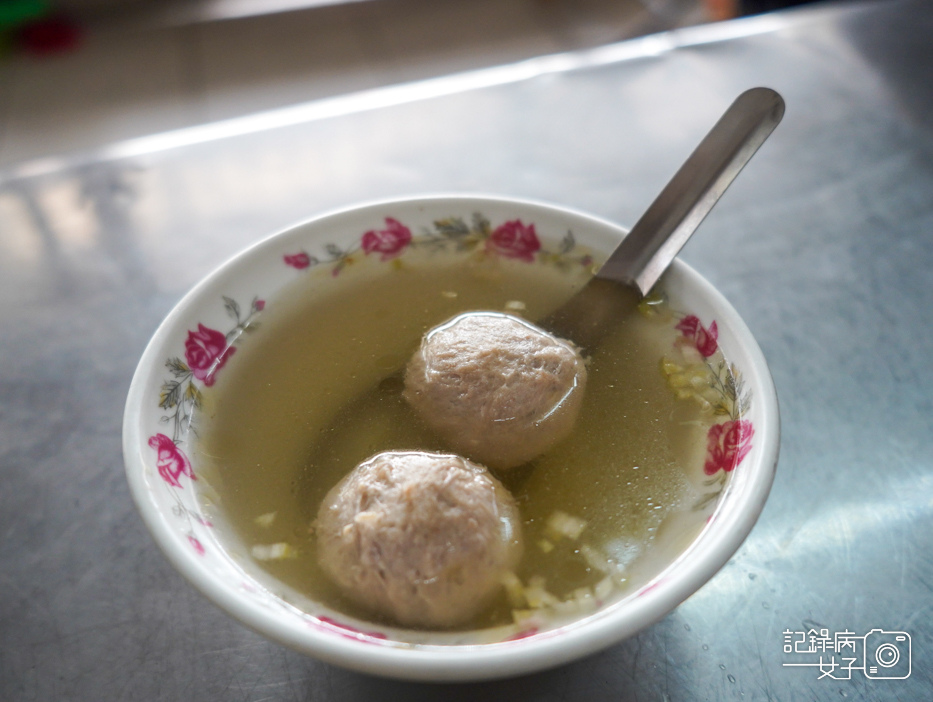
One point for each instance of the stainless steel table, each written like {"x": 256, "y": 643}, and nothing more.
{"x": 825, "y": 245}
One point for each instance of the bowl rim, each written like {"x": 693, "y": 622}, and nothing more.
{"x": 720, "y": 539}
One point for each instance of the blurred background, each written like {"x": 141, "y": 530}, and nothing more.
{"x": 78, "y": 74}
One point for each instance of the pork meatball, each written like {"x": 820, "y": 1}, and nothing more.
{"x": 421, "y": 538}
{"x": 496, "y": 388}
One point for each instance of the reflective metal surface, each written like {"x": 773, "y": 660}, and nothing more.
{"x": 825, "y": 247}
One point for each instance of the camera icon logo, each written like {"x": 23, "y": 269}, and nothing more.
{"x": 887, "y": 655}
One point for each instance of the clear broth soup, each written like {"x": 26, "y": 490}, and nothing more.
{"x": 316, "y": 389}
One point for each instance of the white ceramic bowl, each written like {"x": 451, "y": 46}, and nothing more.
{"x": 156, "y": 445}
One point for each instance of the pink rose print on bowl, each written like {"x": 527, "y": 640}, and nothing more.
{"x": 206, "y": 352}
{"x": 727, "y": 444}
{"x": 300, "y": 260}
{"x": 388, "y": 242}
{"x": 704, "y": 339}
{"x": 514, "y": 240}
{"x": 698, "y": 371}
{"x": 171, "y": 462}
{"x": 345, "y": 630}
{"x": 196, "y": 545}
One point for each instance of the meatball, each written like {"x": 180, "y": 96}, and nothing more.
{"x": 496, "y": 388}
{"x": 422, "y": 538}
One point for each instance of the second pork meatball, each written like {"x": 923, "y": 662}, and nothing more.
{"x": 423, "y": 538}
{"x": 497, "y": 388}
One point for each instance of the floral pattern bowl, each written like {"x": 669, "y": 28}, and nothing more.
{"x": 714, "y": 360}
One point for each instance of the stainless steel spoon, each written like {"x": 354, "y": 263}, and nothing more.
{"x": 656, "y": 239}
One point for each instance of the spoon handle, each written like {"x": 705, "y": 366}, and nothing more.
{"x": 671, "y": 219}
